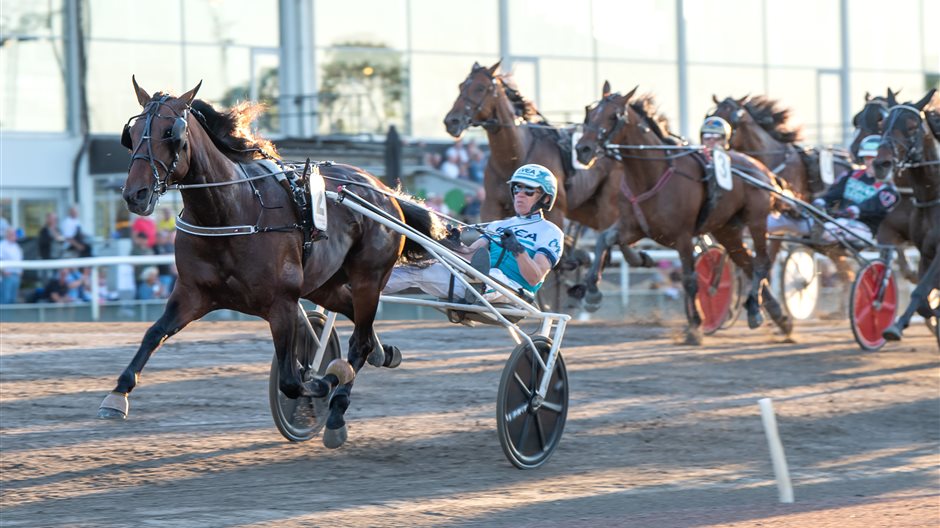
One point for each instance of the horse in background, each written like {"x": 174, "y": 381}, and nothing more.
{"x": 518, "y": 134}
{"x": 894, "y": 230}
{"x": 908, "y": 144}
{"x": 761, "y": 128}
{"x": 241, "y": 242}
{"x": 670, "y": 198}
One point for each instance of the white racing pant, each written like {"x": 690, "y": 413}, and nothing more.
{"x": 782, "y": 224}
{"x": 435, "y": 280}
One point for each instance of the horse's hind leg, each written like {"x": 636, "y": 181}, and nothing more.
{"x": 693, "y": 334}
{"x": 755, "y": 269}
{"x": 184, "y": 306}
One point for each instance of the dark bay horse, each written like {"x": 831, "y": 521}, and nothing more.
{"x": 241, "y": 242}
{"x": 761, "y": 129}
{"x": 908, "y": 144}
{"x": 894, "y": 230}
{"x": 669, "y": 198}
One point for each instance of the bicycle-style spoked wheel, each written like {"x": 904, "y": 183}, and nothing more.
{"x": 302, "y": 419}
{"x": 873, "y": 304}
{"x": 529, "y": 426}
{"x": 716, "y": 284}
{"x": 799, "y": 283}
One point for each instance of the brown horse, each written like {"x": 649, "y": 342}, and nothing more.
{"x": 670, "y": 198}
{"x": 242, "y": 238}
{"x": 518, "y": 134}
{"x": 761, "y": 129}
{"x": 894, "y": 230}
{"x": 908, "y": 144}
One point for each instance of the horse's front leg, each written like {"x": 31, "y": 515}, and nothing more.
{"x": 929, "y": 280}
{"x": 363, "y": 343}
{"x": 693, "y": 334}
{"x": 185, "y": 305}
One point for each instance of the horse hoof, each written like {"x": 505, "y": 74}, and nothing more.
{"x": 111, "y": 414}
{"x": 892, "y": 333}
{"x": 786, "y": 325}
{"x": 342, "y": 370}
{"x": 755, "y": 320}
{"x": 334, "y": 438}
{"x": 577, "y": 291}
{"x": 592, "y": 301}
{"x": 693, "y": 337}
{"x": 114, "y": 407}
{"x": 377, "y": 357}
{"x": 392, "y": 356}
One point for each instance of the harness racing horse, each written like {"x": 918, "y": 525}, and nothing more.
{"x": 669, "y": 198}
{"x": 894, "y": 230}
{"x": 761, "y": 129}
{"x": 518, "y": 134}
{"x": 241, "y": 243}
{"x": 909, "y": 145}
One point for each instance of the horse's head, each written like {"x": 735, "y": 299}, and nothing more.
{"x": 731, "y": 110}
{"x": 476, "y": 101}
{"x": 158, "y": 139}
{"x": 603, "y": 122}
{"x": 905, "y": 132}
{"x": 868, "y": 121}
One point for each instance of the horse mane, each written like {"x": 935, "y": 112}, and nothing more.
{"x": 525, "y": 107}
{"x": 230, "y": 130}
{"x": 774, "y": 118}
{"x": 646, "y": 106}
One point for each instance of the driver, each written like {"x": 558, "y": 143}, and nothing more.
{"x": 858, "y": 197}
{"x": 527, "y": 248}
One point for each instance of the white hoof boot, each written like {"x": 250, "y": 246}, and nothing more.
{"x": 114, "y": 407}
{"x": 334, "y": 438}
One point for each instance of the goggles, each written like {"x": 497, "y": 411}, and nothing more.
{"x": 517, "y": 188}
{"x": 712, "y": 136}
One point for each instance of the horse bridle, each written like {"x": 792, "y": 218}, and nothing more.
{"x": 177, "y": 135}
{"x": 602, "y": 135}
{"x": 914, "y": 145}
{"x": 471, "y": 111}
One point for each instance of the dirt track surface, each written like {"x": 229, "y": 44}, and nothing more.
{"x": 658, "y": 435}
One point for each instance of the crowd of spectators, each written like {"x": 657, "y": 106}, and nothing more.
{"x": 67, "y": 239}
{"x": 460, "y": 161}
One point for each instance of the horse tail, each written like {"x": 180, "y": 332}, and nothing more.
{"x": 427, "y": 223}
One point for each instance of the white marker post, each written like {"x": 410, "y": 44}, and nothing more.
{"x": 777, "y": 457}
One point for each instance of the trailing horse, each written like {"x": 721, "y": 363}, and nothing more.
{"x": 908, "y": 144}
{"x": 244, "y": 243}
{"x": 670, "y": 198}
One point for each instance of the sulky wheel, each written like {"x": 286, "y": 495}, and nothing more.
{"x": 302, "y": 419}
{"x": 529, "y": 426}
{"x": 799, "y": 284}
{"x": 872, "y": 304}
{"x": 716, "y": 285}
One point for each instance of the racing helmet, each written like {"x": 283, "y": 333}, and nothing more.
{"x": 868, "y": 148}
{"x": 715, "y": 125}
{"x": 534, "y": 175}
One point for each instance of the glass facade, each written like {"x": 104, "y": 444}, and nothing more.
{"x": 380, "y": 62}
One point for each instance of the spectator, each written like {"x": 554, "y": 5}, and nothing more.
{"x": 76, "y": 244}
{"x": 477, "y": 162}
{"x": 459, "y": 151}
{"x": 50, "y": 238}
{"x": 167, "y": 220}
{"x": 451, "y": 165}
{"x": 64, "y": 288}
{"x": 145, "y": 225}
{"x": 668, "y": 278}
{"x": 436, "y": 203}
{"x": 148, "y": 284}
{"x": 471, "y": 211}
{"x": 10, "y": 251}
{"x": 165, "y": 246}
